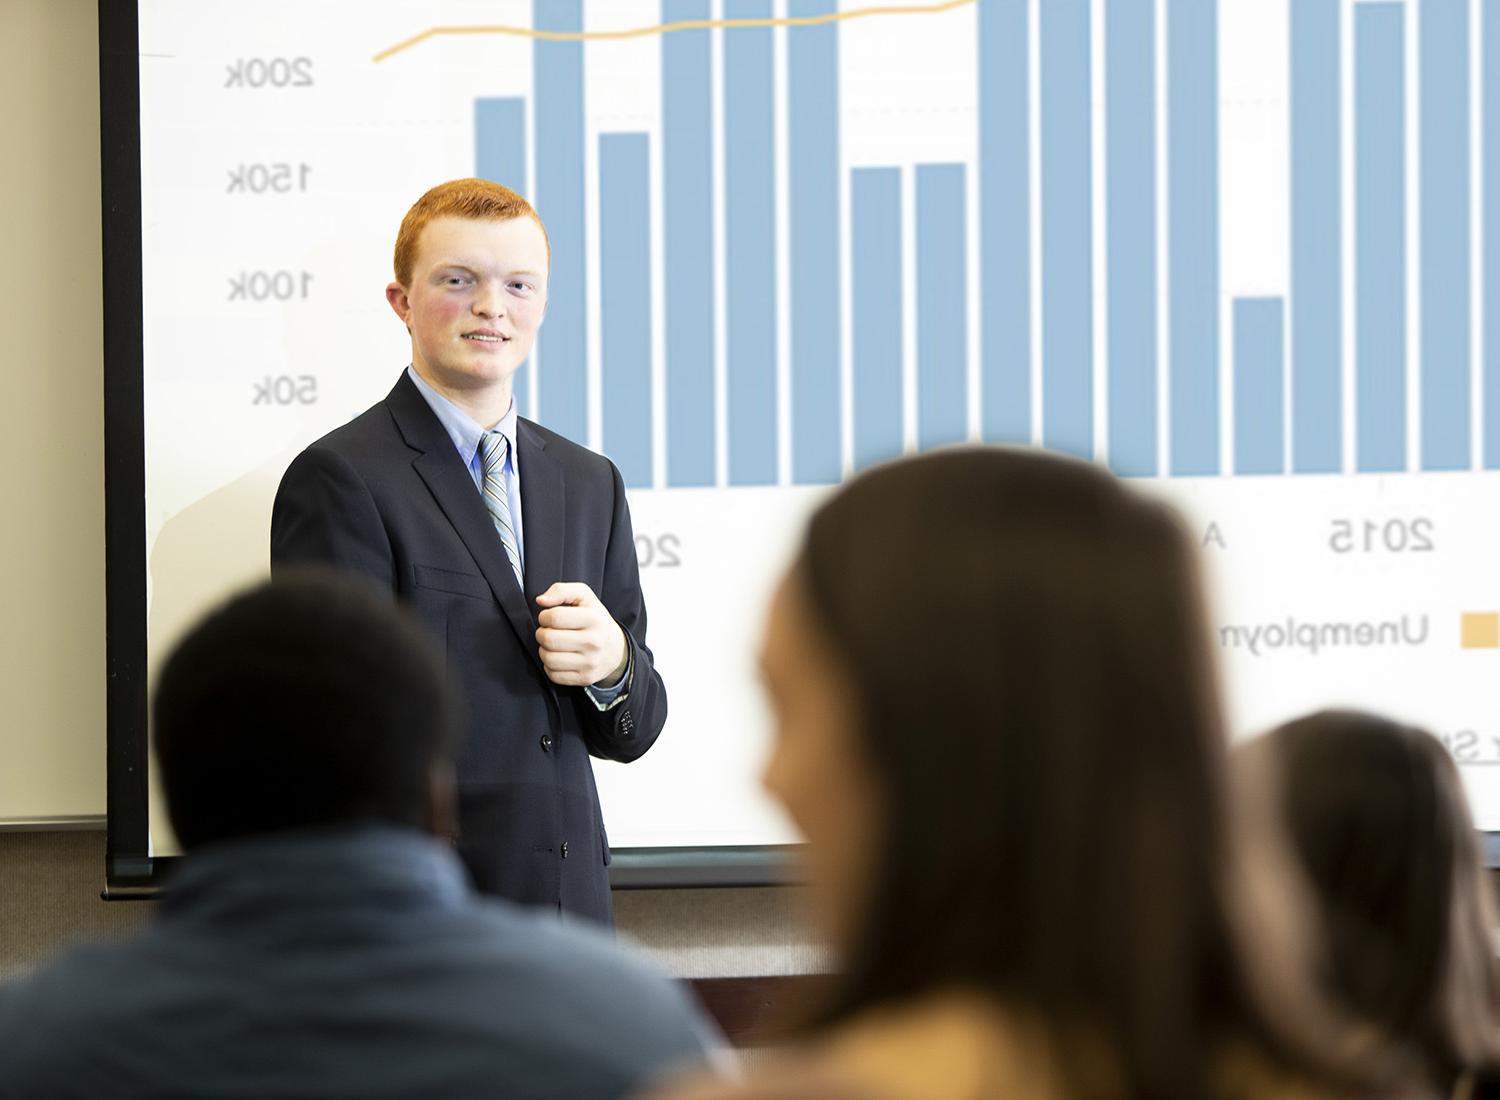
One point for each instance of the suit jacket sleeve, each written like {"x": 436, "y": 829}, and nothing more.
{"x": 628, "y": 730}
{"x": 324, "y": 515}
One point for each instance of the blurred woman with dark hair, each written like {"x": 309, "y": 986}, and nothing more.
{"x": 1377, "y": 816}
{"x": 998, "y": 727}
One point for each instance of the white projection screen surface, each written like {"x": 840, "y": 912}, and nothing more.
{"x": 1231, "y": 249}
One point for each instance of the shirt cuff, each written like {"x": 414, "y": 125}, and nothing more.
{"x": 611, "y": 696}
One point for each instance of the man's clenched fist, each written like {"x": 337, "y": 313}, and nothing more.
{"x": 580, "y": 641}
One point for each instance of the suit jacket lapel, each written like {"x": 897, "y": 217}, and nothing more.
{"x": 453, "y": 487}
{"x": 542, "y": 511}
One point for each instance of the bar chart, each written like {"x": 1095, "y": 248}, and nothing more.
{"x": 1243, "y": 252}
{"x": 1162, "y": 391}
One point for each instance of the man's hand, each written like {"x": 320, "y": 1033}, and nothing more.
{"x": 580, "y": 641}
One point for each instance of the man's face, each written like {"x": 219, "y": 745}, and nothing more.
{"x": 477, "y": 295}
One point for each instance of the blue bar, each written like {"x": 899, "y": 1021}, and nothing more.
{"x": 942, "y": 301}
{"x": 557, "y": 121}
{"x": 500, "y": 141}
{"x": 1492, "y": 234}
{"x": 875, "y": 222}
{"x": 688, "y": 194}
{"x": 1259, "y": 390}
{"x": 625, "y": 302}
{"x": 1193, "y": 205}
{"x": 750, "y": 239}
{"x": 1004, "y": 221}
{"x": 500, "y": 157}
{"x": 1380, "y": 236}
{"x": 1444, "y": 98}
{"x": 1130, "y": 150}
{"x": 813, "y": 141}
{"x": 1317, "y": 286}
{"x": 1067, "y": 230}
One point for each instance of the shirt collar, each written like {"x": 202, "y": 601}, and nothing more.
{"x": 460, "y": 425}
{"x": 316, "y": 867}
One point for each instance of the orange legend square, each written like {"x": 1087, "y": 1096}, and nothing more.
{"x": 1481, "y": 630}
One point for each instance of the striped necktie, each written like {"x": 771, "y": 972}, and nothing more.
{"x": 494, "y": 448}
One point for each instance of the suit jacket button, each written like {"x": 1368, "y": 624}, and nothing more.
{"x": 565, "y": 849}
{"x": 546, "y": 742}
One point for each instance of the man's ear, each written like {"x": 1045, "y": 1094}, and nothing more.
{"x": 442, "y": 801}
{"x": 396, "y": 295}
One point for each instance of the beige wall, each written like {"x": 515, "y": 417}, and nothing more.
{"x": 52, "y": 550}
{"x": 52, "y": 448}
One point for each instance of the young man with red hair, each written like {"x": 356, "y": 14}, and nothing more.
{"x": 512, "y": 543}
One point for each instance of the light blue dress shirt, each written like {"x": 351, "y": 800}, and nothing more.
{"x": 466, "y": 435}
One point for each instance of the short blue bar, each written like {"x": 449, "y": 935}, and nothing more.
{"x": 625, "y": 302}
{"x": 750, "y": 243}
{"x": 1130, "y": 151}
{"x": 562, "y": 367}
{"x": 1067, "y": 230}
{"x": 688, "y": 189}
{"x": 875, "y": 212}
{"x": 500, "y": 157}
{"x": 942, "y": 306}
{"x": 500, "y": 141}
{"x": 1380, "y": 236}
{"x": 813, "y": 149}
{"x": 1004, "y": 221}
{"x": 1259, "y": 386}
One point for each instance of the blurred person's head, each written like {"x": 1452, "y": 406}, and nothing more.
{"x": 308, "y": 701}
{"x": 998, "y": 727}
{"x": 1377, "y": 817}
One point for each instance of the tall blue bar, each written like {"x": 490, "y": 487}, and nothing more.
{"x": 688, "y": 190}
{"x": 813, "y": 149}
{"x": 942, "y": 306}
{"x": 1004, "y": 221}
{"x": 557, "y": 121}
{"x": 1317, "y": 305}
{"x": 1067, "y": 230}
{"x": 625, "y": 302}
{"x": 1130, "y": 152}
{"x": 500, "y": 156}
{"x": 875, "y": 222}
{"x": 1444, "y": 99}
{"x": 1491, "y": 257}
{"x": 750, "y": 241}
{"x": 1193, "y": 233}
{"x": 1259, "y": 389}
{"x": 1380, "y": 236}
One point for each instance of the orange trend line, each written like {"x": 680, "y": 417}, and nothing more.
{"x": 684, "y": 25}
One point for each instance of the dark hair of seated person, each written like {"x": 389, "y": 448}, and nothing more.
{"x": 1027, "y": 644}
{"x": 1377, "y": 814}
{"x": 309, "y": 701}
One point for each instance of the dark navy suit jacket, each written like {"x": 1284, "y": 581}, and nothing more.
{"x": 387, "y": 496}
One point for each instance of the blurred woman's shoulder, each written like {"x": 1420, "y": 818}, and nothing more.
{"x": 954, "y": 1045}
{"x": 964, "y": 1046}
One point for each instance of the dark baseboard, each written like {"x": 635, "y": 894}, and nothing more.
{"x": 754, "y": 1011}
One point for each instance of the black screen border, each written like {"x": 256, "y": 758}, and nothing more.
{"x": 130, "y": 869}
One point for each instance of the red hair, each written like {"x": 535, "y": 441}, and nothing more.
{"x": 467, "y": 198}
